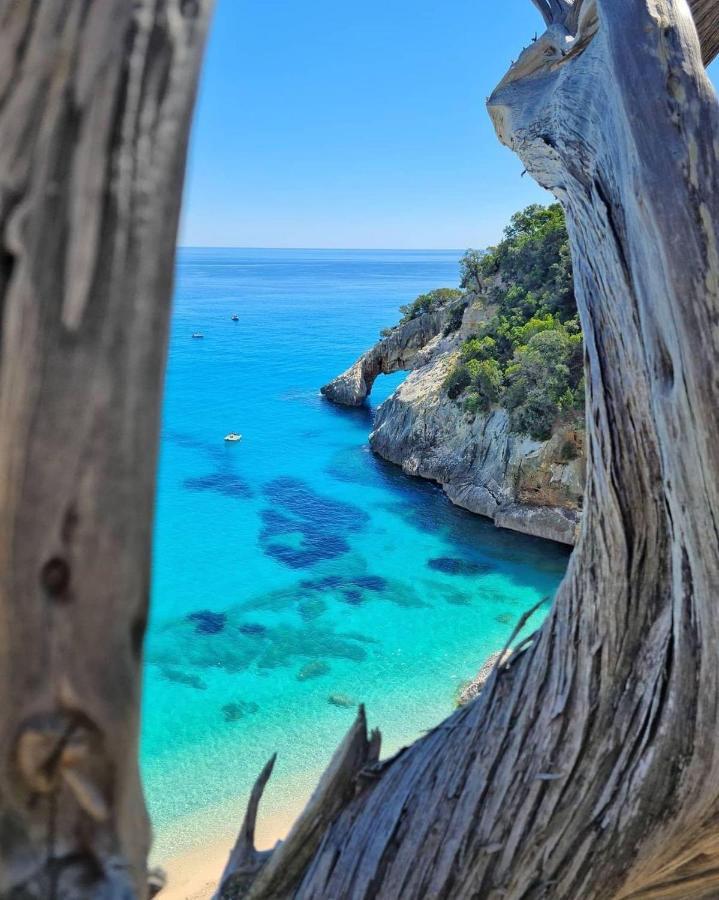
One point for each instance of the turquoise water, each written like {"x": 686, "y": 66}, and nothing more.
{"x": 295, "y": 567}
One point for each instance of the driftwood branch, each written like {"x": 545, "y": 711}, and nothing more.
{"x": 555, "y": 12}
{"x": 566, "y": 14}
{"x": 273, "y": 873}
{"x": 336, "y": 788}
{"x": 95, "y": 105}
{"x": 706, "y": 17}
{"x": 245, "y": 860}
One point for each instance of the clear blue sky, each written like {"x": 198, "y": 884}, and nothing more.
{"x": 332, "y": 124}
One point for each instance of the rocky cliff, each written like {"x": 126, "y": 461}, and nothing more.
{"x": 531, "y": 486}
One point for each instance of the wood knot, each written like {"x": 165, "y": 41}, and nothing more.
{"x": 59, "y": 750}
{"x": 190, "y": 9}
{"x": 55, "y": 578}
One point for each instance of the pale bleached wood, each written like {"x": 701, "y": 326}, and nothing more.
{"x": 356, "y": 755}
{"x": 245, "y": 860}
{"x": 95, "y": 105}
{"x": 589, "y": 767}
{"x": 706, "y": 17}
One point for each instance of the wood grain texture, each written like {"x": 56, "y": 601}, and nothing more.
{"x": 245, "y": 860}
{"x": 95, "y": 105}
{"x": 706, "y": 18}
{"x": 589, "y": 766}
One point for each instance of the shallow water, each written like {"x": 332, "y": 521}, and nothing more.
{"x": 295, "y": 574}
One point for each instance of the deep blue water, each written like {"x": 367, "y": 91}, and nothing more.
{"x": 294, "y": 567}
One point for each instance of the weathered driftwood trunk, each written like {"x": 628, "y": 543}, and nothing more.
{"x": 95, "y": 103}
{"x": 589, "y": 766}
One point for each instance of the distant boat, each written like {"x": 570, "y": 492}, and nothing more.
{"x": 232, "y": 436}
{"x": 197, "y": 334}
{"x": 235, "y": 318}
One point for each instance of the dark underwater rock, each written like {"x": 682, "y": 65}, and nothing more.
{"x": 458, "y": 599}
{"x": 283, "y": 645}
{"x": 233, "y": 712}
{"x": 225, "y": 483}
{"x": 278, "y": 523}
{"x": 321, "y": 523}
{"x": 341, "y": 700}
{"x": 313, "y": 669}
{"x": 180, "y": 677}
{"x": 310, "y": 552}
{"x": 208, "y": 622}
{"x": 321, "y": 584}
{"x": 297, "y": 496}
{"x": 370, "y": 582}
{"x": 253, "y": 629}
{"x": 312, "y": 608}
{"x": 451, "y": 565}
{"x": 316, "y": 542}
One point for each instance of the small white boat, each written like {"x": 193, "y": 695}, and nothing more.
{"x": 233, "y": 436}
{"x": 197, "y": 334}
{"x": 235, "y": 318}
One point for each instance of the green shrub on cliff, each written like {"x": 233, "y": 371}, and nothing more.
{"x": 454, "y": 298}
{"x": 471, "y": 270}
{"x": 457, "y": 381}
{"x": 455, "y": 314}
{"x": 429, "y": 302}
{"x": 540, "y": 379}
{"x": 485, "y": 385}
{"x": 534, "y": 265}
{"x": 528, "y": 355}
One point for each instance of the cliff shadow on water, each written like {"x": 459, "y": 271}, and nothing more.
{"x": 423, "y": 505}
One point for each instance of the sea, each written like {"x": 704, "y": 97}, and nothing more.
{"x": 295, "y": 574}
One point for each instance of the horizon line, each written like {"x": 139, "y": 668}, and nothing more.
{"x": 392, "y": 249}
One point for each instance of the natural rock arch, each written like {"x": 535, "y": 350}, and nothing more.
{"x": 588, "y": 766}
{"x": 395, "y": 352}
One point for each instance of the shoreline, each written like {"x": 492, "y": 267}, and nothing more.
{"x": 193, "y": 850}
{"x": 194, "y": 874}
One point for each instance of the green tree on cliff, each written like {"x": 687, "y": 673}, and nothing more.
{"x": 528, "y": 355}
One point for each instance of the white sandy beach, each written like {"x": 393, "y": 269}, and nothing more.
{"x": 194, "y": 874}
{"x": 193, "y": 851}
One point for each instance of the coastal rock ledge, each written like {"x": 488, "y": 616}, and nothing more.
{"x": 534, "y": 487}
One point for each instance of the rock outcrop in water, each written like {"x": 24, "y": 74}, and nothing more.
{"x": 535, "y": 487}
{"x": 472, "y": 689}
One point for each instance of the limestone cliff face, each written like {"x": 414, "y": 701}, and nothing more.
{"x": 535, "y": 487}
{"x": 526, "y": 485}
